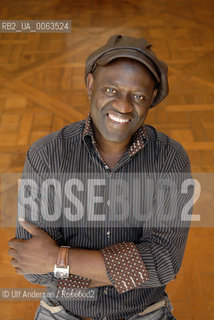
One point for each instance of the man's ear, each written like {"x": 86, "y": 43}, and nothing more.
{"x": 154, "y": 94}
{"x": 89, "y": 84}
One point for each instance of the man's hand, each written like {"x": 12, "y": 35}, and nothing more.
{"x": 36, "y": 255}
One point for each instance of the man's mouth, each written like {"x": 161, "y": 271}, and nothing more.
{"x": 118, "y": 119}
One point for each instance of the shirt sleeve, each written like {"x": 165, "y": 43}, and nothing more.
{"x": 163, "y": 241}
{"x": 34, "y": 172}
{"x": 157, "y": 257}
{"x": 124, "y": 266}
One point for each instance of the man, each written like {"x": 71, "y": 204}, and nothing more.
{"x": 127, "y": 260}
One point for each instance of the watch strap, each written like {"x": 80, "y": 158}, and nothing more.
{"x": 62, "y": 260}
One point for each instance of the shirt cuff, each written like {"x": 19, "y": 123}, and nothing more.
{"x": 73, "y": 282}
{"x": 124, "y": 266}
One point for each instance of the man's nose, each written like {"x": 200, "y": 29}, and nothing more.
{"x": 123, "y": 105}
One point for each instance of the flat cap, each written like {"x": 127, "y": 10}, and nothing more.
{"x": 119, "y": 46}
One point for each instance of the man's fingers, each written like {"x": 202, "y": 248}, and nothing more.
{"x": 30, "y": 227}
{"x": 11, "y": 242}
{"x": 19, "y": 271}
{"x": 12, "y": 252}
{"x": 14, "y": 262}
{"x": 14, "y": 243}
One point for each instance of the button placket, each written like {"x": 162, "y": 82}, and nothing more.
{"x": 106, "y": 197}
{"x": 106, "y": 290}
{"x": 108, "y": 202}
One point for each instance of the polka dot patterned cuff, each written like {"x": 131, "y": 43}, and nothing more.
{"x": 73, "y": 282}
{"x": 124, "y": 266}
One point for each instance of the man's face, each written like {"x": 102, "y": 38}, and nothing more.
{"x": 120, "y": 94}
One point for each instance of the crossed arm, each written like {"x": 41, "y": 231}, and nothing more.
{"x": 38, "y": 255}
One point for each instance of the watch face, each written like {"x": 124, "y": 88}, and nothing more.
{"x": 61, "y": 272}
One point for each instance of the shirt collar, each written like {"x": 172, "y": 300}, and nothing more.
{"x": 138, "y": 142}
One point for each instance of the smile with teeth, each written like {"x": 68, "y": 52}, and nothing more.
{"x": 117, "y": 119}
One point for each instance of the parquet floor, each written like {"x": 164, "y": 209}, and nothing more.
{"x": 42, "y": 89}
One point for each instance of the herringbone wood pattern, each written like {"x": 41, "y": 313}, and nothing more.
{"x": 42, "y": 89}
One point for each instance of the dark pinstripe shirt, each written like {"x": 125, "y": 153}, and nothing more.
{"x": 161, "y": 246}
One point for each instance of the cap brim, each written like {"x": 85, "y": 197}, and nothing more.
{"x": 127, "y": 53}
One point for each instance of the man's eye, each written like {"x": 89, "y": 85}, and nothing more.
{"x": 139, "y": 97}
{"x": 111, "y": 90}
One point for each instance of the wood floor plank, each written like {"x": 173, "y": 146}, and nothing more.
{"x": 24, "y": 130}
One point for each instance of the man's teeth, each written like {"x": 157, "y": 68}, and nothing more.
{"x": 117, "y": 119}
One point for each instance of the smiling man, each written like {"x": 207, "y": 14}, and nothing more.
{"x": 128, "y": 264}
{"x": 121, "y": 94}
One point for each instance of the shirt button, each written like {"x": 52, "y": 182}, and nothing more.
{"x": 106, "y": 167}
{"x": 105, "y": 318}
{"x": 106, "y": 290}
{"x": 108, "y": 202}
{"x": 108, "y": 233}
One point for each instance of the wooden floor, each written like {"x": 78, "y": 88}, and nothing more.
{"x": 42, "y": 89}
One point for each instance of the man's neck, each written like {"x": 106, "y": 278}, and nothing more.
{"x": 110, "y": 147}
{"x": 111, "y": 152}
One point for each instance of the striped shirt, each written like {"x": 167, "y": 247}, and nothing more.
{"x": 160, "y": 245}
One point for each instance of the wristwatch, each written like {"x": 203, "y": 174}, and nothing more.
{"x": 61, "y": 268}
